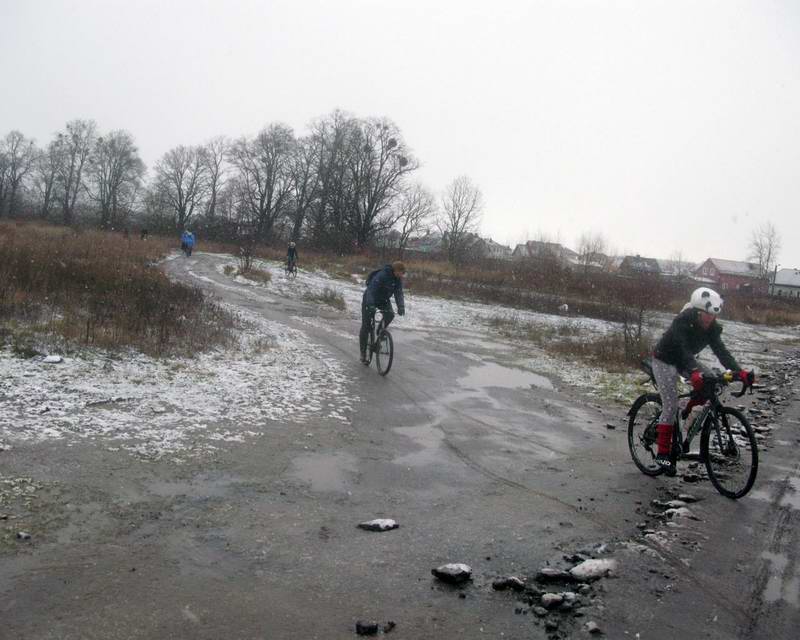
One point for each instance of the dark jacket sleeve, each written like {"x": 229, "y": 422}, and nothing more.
{"x": 721, "y": 351}
{"x": 399, "y": 298}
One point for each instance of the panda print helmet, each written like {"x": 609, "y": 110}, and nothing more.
{"x": 706, "y": 300}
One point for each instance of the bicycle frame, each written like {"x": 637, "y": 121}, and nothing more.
{"x": 375, "y": 329}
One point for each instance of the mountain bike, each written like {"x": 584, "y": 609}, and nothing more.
{"x": 291, "y": 269}
{"x": 381, "y": 344}
{"x": 727, "y": 442}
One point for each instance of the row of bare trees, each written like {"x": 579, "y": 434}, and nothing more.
{"x": 343, "y": 185}
{"x": 77, "y": 169}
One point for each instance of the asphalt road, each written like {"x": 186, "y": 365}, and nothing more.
{"x": 478, "y": 462}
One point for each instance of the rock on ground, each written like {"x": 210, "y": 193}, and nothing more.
{"x": 379, "y": 524}
{"x": 454, "y": 573}
{"x": 592, "y": 569}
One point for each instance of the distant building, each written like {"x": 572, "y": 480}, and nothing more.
{"x": 638, "y": 264}
{"x": 676, "y": 268}
{"x": 786, "y": 283}
{"x": 495, "y": 250}
{"x": 539, "y": 249}
{"x": 429, "y": 243}
{"x": 732, "y": 275}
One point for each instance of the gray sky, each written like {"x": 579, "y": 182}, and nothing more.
{"x": 665, "y": 126}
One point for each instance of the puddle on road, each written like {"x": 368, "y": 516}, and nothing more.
{"x": 200, "y": 486}
{"x": 779, "y": 588}
{"x": 491, "y": 374}
{"x": 429, "y": 438}
{"x": 325, "y": 472}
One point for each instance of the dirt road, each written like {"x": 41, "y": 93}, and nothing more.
{"x": 478, "y": 461}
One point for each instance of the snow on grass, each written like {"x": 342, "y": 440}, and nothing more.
{"x": 176, "y": 407}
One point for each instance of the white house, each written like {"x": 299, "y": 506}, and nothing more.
{"x": 786, "y": 283}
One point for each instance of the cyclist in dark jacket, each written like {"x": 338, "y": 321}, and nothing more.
{"x": 382, "y": 284}
{"x": 691, "y": 331}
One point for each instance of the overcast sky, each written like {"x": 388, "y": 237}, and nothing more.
{"x": 665, "y": 126}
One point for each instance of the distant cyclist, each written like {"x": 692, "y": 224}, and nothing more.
{"x": 187, "y": 242}
{"x": 691, "y": 331}
{"x": 291, "y": 256}
{"x": 382, "y": 284}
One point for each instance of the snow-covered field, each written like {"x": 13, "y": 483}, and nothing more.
{"x": 186, "y": 406}
{"x": 180, "y": 406}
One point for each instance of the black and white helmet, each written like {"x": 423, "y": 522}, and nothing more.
{"x": 706, "y": 300}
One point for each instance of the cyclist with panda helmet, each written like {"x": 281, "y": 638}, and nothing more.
{"x": 691, "y": 331}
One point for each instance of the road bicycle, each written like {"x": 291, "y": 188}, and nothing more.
{"x": 728, "y": 446}
{"x": 380, "y": 344}
{"x": 291, "y": 269}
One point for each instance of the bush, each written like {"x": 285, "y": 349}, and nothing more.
{"x": 328, "y": 296}
{"x": 102, "y": 289}
{"x": 256, "y": 275}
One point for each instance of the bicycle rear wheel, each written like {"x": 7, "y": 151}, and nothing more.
{"x": 644, "y": 415}
{"x": 729, "y": 447}
{"x": 384, "y": 352}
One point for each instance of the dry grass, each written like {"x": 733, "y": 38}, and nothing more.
{"x": 610, "y": 352}
{"x": 328, "y": 296}
{"x": 101, "y": 289}
{"x": 256, "y": 275}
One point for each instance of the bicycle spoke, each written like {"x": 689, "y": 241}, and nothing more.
{"x": 731, "y": 453}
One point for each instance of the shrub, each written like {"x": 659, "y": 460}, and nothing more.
{"x": 256, "y": 275}
{"x": 328, "y": 296}
{"x": 102, "y": 289}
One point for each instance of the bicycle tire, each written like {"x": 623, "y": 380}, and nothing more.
{"x": 642, "y": 433}
{"x": 384, "y": 352}
{"x": 722, "y": 453}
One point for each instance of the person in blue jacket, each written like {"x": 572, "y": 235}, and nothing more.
{"x": 187, "y": 242}
{"x": 382, "y": 284}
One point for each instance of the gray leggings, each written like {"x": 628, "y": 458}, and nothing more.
{"x": 667, "y": 381}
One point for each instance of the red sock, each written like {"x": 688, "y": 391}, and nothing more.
{"x": 664, "y": 438}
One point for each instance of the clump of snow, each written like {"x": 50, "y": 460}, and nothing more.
{"x": 379, "y": 524}
{"x": 592, "y": 569}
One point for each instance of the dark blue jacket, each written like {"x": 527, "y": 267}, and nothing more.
{"x": 382, "y": 284}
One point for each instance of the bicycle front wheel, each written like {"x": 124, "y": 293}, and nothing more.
{"x": 729, "y": 447}
{"x": 384, "y": 352}
{"x": 644, "y": 415}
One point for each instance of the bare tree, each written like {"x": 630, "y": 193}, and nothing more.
{"x": 378, "y": 162}
{"x": 678, "y": 265}
{"x": 73, "y": 148}
{"x": 215, "y": 152}
{"x": 17, "y": 156}
{"x": 591, "y": 250}
{"x": 182, "y": 181}
{"x": 115, "y": 171}
{"x": 462, "y": 206}
{"x": 305, "y": 181}
{"x": 45, "y": 172}
{"x": 416, "y": 207}
{"x": 765, "y": 245}
{"x": 263, "y": 169}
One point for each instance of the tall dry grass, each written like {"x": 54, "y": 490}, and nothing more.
{"x": 100, "y": 289}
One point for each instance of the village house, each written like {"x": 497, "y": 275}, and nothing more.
{"x": 540, "y": 249}
{"x": 638, "y": 264}
{"x": 731, "y": 275}
{"x": 786, "y": 283}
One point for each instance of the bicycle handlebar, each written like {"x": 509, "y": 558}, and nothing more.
{"x": 728, "y": 377}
